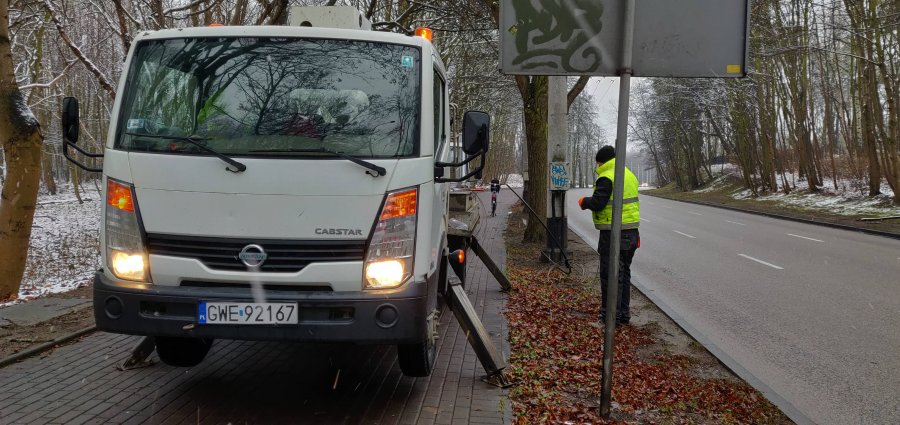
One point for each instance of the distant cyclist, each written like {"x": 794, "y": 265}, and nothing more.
{"x": 495, "y": 189}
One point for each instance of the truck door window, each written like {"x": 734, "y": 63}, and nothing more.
{"x": 249, "y": 96}
{"x": 440, "y": 114}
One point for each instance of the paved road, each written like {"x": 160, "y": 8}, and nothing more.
{"x": 812, "y": 312}
{"x": 244, "y": 382}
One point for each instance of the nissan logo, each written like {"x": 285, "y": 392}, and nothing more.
{"x": 253, "y": 255}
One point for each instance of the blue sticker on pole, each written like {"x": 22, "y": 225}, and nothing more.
{"x": 407, "y": 61}
{"x": 559, "y": 176}
{"x": 201, "y": 319}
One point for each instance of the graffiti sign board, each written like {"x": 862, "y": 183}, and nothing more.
{"x": 559, "y": 176}
{"x": 672, "y": 38}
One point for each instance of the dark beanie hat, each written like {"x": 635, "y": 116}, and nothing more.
{"x": 606, "y": 153}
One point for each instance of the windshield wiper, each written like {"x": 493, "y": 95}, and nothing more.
{"x": 379, "y": 171}
{"x": 238, "y": 167}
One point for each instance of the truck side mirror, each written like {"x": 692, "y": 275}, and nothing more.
{"x": 70, "y": 126}
{"x": 476, "y": 136}
{"x": 70, "y": 120}
{"x": 476, "y": 132}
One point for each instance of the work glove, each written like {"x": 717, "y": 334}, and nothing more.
{"x": 581, "y": 203}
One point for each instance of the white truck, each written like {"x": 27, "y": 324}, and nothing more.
{"x": 277, "y": 183}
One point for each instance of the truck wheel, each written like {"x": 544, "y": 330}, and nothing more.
{"x": 417, "y": 359}
{"x": 182, "y": 352}
{"x": 443, "y": 278}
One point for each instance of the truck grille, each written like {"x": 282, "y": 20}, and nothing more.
{"x": 284, "y": 256}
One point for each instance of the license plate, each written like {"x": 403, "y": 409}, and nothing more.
{"x": 231, "y": 313}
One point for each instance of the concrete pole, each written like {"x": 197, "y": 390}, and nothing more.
{"x": 557, "y": 152}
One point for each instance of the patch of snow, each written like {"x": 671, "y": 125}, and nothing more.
{"x": 726, "y": 169}
{"x": 64, "y": 250}
{"x": 848, "y": 198}
{"x": 743, "y": 194}
{"x": 515, "y": 180}
{"x": 878, "y": 206}
{"x": 846, "y": 187}
{"x": 716, "y": 184}
{"x": 21, "y": 109}
{"x": 847, "y": 203}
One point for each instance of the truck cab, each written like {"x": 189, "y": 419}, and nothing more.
{"x": 277, "y": 183}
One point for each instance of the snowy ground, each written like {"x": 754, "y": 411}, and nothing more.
{"x": 64, "y": 249}
{"x": 845, "y": 199}
{"x": 515, "y": 180}
{"x": 839, "y": 204}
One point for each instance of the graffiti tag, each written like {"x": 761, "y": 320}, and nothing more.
{"x": 559, "y": 177}
{"x": 557, "y": 34}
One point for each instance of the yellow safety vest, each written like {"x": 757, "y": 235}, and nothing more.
{"x": 631, "y": 207}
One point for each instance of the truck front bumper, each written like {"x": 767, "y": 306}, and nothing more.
{"x": 384, "y": 317}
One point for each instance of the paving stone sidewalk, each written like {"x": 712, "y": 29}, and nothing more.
{"x": 40, "y": 310}
{"x": 264, "y": 382}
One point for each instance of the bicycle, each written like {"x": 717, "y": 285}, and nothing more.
{"x": 493, "y": 204}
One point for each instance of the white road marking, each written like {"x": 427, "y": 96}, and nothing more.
{"x": 685, "y": 234}
{"x": 804, "y": 237}
{"x": 761, "y": 262}
{"x": 734, "y": 222}
{"x": 694, "y": 213}
{"x": 645, "y": 220}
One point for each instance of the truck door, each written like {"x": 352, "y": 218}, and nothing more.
{"x": 441, "y": 149}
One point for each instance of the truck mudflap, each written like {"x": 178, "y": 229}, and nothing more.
{"x": 384, "y": 317}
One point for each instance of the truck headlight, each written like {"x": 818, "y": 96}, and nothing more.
{"x": 125, "y": 251}
{"x": 389, "y": 260}
{"x": 127, "y": 266}
{"x": 384, "y": 274}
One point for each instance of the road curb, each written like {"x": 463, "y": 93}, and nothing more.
{"x": 784, "y": 217}
{"x": 786, "y": 407}
{"x": 37, "y": 349}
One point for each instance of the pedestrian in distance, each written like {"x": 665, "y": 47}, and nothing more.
{"x": 495, "y": 190}
{"x": 600, "y": 204}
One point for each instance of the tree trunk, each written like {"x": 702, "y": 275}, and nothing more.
{"x": 535, "y": 118}
{"x": 76, "y": 183}
{"x": 47, "y": 169}
{"x": 891, "y": 142}
{"x": 21, "y": 138}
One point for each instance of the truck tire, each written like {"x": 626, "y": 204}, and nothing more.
{"x": 182, "y": 352}
{"x": 417, "y": 360}
{"x": 443, "y": 278}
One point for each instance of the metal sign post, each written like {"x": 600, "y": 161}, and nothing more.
{"x": 612, "y": 282}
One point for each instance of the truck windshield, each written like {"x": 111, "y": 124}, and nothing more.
{"x": 273, "y": 97}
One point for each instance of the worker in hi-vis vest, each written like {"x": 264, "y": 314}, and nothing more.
{"x": 601, "y": 206}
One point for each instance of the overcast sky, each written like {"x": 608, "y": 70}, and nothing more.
{"x": 605, "y": 92}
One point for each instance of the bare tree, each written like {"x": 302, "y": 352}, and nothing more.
{"x": 21, "y": 138}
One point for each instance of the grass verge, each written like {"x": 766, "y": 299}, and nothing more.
{"x": 556, "y": 352}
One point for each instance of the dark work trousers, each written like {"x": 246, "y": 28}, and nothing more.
{"x": 628, "y": 246}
